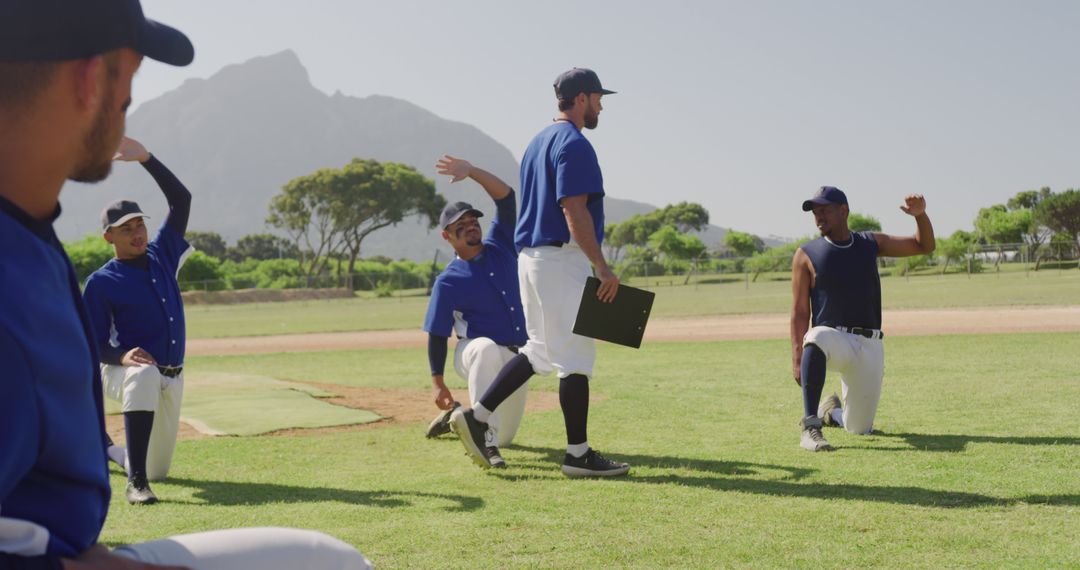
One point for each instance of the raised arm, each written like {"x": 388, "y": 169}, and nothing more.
{"x": 583, "y": 232}
{"x": 459, "y": 169}
{"x": 801, "y": 281}
{"x": 921, "y": 243}
{"x": 178, "y": 197}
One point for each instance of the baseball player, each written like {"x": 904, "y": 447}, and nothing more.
{"x": 137, "y": 315}
{"x": 836, "y": 288}
{"x": 65, "y": 81}
{"x": 477, "y": 298}
{"x": 558, "y": 235}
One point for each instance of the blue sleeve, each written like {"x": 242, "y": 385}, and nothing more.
{"x": 502, "y": 227}
{"x": 44, "y": 562}
{"x": 577, "y": 171}
{"x": 436, "y": 353}
{"x": 18, "y": 415}
{"x": 170, "y": 248}
{"x": 178, "y": 197}
{"x": 99, "y": 311}
{"x": 439, "y": 320}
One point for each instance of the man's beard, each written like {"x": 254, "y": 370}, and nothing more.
{"x": 98, "y": 145}
{"x": 592, "y": 118}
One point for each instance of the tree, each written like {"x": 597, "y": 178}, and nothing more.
{"x": 210, "y": 243}
{"x": 954, "y": 247}
{"x": 632, "y": 232}
{"x": 201, "y": 271}
{"x": 743, "y": 244}
{"x": 88, "y": 255}
{"x": 685, "y": 216}
{"x": 1061, "y": 213}
{"x": 1024, "y": 204}
{"x": 860, "y": 223}
{"x": 676, "y": 245}
{"x": 263, "y": 246}
{"x": 333, "y": 210}
{"x": 997, "y": 225}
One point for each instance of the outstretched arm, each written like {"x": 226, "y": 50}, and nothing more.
{"x": 459, "y": 169}
{"x": 923, "y": 240}
{"x": 178, "y": 197}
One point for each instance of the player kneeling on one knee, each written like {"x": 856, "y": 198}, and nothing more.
{"x": 837, "y": 290}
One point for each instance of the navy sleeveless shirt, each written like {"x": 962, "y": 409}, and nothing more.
{"x": 847, "y": 289}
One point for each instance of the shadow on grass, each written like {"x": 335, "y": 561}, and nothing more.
{"x": 956, "y": 443}
{"x": 753, "y": 478}
{"x": 237, "y": 493}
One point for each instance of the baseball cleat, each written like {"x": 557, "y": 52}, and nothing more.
{"x": 494, "y": 457}
{"x": 471, "y": 433}
{"x": 812, "y": 440}
{"x": 441, "y": 424}
{"x": 824, "y": 411}
{"x": 592, "y": 464}
{"x": 138, "y": 491}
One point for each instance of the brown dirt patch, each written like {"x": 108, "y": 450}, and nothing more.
{"x": 687, "y": 329}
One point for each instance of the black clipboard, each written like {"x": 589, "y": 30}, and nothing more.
{"x": 622, "y": 321}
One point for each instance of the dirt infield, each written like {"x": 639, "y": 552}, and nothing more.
{"x": 688, "y": 329}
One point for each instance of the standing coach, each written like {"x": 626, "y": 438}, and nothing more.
{"x": 559, "y": 233}
{"x": 137, "y": 315}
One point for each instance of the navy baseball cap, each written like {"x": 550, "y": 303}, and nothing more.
{"x": 452, "y": 212}
{"x": 59, "y": 30}
{"x": 578, "y": 80}
{"x": 118, "y": 213}
{"x": 827, "y": 195}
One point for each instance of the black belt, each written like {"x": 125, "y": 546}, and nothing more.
{"x": 555, "y": 243}
{"x": 170, "y": 371}
{"x": 513, "y": 348}
{"x": 868, "y": 333}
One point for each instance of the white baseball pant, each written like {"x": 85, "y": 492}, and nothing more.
{"x": 262, "y": 548}
{"x": 861, "y": 364}
{"x": 145, "y": 389}
{"x": 552, "y": 279}
{"x": 479, "y": 360}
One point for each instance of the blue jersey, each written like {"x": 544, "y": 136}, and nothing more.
{"x": 847, "y": 288}
{"x": 53, "y": 470}
{"x": 132, "y": 307}
{"x": 480, "y": 297}
{"x": 559, "y": 162}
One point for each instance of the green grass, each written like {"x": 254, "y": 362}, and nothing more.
{"x": 713, "y": 296}
{"x": 974, "y": 465}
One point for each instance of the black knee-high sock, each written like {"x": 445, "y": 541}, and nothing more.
{"x": 574, "y": 399}
{"x": 812, "y": 371}
{"x": 137, "y": 426}
{"x": 514, "y": 374}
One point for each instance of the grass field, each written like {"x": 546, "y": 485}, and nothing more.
{"x": 974, "y": 464}
{"x": 713, "y": 296}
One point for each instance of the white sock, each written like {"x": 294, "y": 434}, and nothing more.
{"x": 481, "y": 413}
{"x": 117, "y": 454}
{"x": 577, "y": 449}
{"x": 837, "y": 416}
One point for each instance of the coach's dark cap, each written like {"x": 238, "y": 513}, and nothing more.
{"x": 118, "y": 213}
{"x": 59, "y": 30}
{"x": 578, "y": 80}
{"x": 827, "y": 195}
{"x": 452, "y": 212}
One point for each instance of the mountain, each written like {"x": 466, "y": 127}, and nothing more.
{"x": 236, "y": 138}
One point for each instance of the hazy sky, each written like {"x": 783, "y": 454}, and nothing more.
{"x": 746, "y": 107}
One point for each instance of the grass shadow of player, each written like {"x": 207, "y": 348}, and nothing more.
{"x": 765, "y": 479}
{"x": 955, "y": 443}
{"x": 238, "y": 493}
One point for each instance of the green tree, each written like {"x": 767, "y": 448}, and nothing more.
{"x": 742, "y": 243}
{"x": 1035, "y": 235}
{"x": 674, "y": 244}
{"x": 210, "y": 243}
{"x": 88, "y": 255}
{"x": 1061, "y": 214}
{"x": 860, "y": 223}
{"x": 201, "y": 271}
{"x": 263, "y": 246}
{"x": 685, "y": 216}
{"x": 954, "y": 248}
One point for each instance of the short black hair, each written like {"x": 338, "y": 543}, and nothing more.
{"x": 22, "y": 81}
{"x": 566, "y": 104}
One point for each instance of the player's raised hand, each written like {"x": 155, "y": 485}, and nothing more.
{"x": 131, "y": 150}
{"x": 137, "y": 357}
{"x": 458, "y": 169}
{"x": 609, "y": 285}
{"x": 914, "y": 205}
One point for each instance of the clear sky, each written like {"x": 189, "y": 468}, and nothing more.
{"x": 746, "y": 107}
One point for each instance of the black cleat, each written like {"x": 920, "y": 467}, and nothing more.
{"x": 471, "y": 433}
{"x": 824, "y": 411}
{"x": 592, "y": 464}
{"x": 494, "y": 458}
{"x": 138, "y": 491}
{"x": 441, "y": 424}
